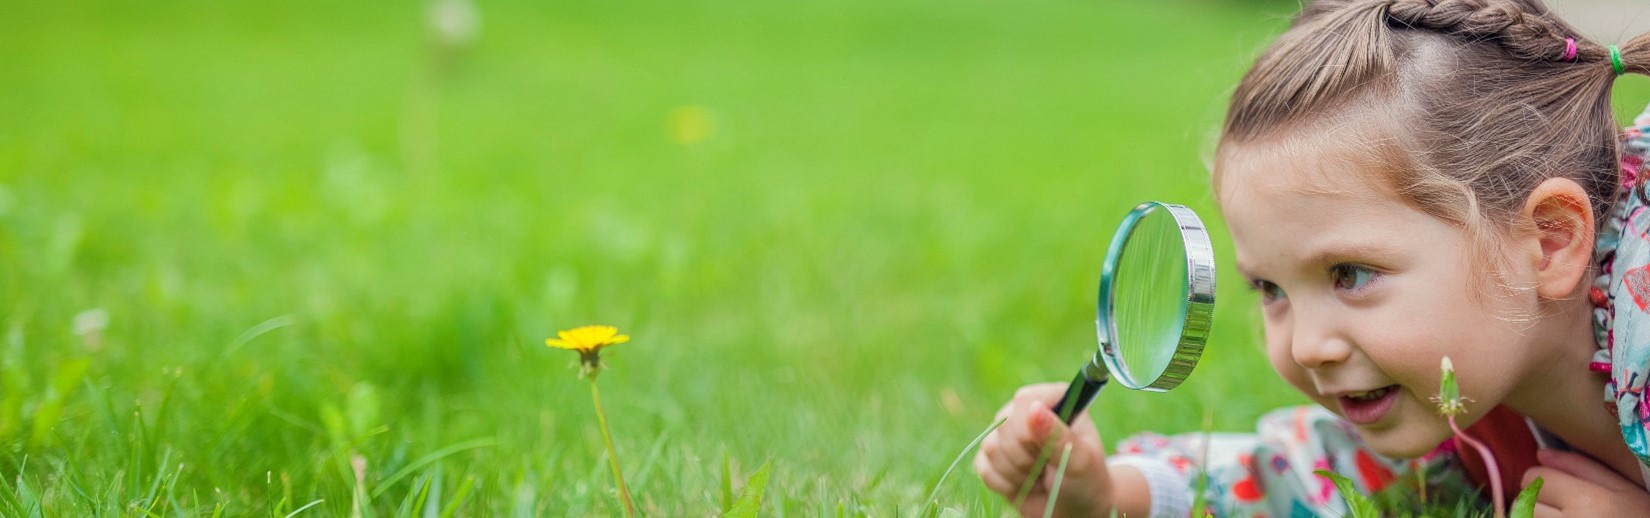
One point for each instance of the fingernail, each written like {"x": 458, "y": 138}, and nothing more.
{"x": 1039, "y": 422}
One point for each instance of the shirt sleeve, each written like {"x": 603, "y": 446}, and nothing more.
{"x": 1271, "y": 472}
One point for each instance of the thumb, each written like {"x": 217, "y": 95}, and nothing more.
{"x": 1044, "y": 426}
{"x": 1584, "y": 468}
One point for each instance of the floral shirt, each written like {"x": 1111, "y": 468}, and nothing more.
{"x": 1621, "y": 328}
{"x": 1271, "y": 473}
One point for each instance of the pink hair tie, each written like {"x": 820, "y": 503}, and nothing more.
{"x": 1570, "y": 49}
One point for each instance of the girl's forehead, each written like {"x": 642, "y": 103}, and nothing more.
{"x": 1308, "y": 167}
{"x": 1292, "y": 202}
{"x": 1355, "y": 150}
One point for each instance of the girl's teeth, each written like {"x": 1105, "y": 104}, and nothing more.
{"x": 1371, "y": 395}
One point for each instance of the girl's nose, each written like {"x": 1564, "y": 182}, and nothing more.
{"x": 1316, "y": 341}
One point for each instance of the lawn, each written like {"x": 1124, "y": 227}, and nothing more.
{"x": 840, "y": 234}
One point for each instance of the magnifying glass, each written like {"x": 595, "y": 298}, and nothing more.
{"x": 1156, "y": 301}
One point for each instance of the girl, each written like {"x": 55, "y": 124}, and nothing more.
{"x": 1406, "y": 180}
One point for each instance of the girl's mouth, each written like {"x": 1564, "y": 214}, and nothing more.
{"x": 1368, "y": 407}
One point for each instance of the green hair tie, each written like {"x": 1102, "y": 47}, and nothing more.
{"x": 1615, "y": 60}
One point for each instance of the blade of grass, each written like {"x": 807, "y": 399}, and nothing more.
{"x": 1059, "y": 477}
{"x": 153, "y": 497}
{"x": 301, "y": 509}
{"x": 458, "y": 497}
{"x": 1036, "y": 467}
{"x": 432, "y": 502}
{"x": 252, "y": 333}
{"x": 651, "y": 460}
{"x": 427, "y": 459}
{"x": 1359, "y": 505}
{"x": 413, "y": 503}
{"x": 933, "y": 491}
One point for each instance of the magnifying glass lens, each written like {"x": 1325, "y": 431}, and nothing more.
{"x": 1149, "y": 297}
{"x": 1156, "y": 301}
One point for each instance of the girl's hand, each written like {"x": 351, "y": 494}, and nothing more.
{"x": 1007, "y": 455}
{"x": 1574, "y": 485}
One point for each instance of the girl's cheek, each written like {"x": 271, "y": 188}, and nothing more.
{"x": 1278, "y": 354}
{"x": 1282, "y": 359}
{"x": 1294, "y": 374}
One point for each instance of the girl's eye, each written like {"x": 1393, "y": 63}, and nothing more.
{"x": 1351, "y": 277}
{"x": 1269, "y": 292}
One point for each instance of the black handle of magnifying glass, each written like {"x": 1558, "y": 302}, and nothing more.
{"x": 1078, "y": 395}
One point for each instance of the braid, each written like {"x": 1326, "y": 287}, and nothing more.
{"x": 1525, "y": 30}
{"x": 1527, "y": 35}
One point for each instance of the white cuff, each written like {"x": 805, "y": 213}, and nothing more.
{"x": 1171, "y": 496}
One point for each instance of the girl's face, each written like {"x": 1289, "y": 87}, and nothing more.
{"x": 1363, "y": 295}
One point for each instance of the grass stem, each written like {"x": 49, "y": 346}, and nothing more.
{"x": 1059, "y": 478}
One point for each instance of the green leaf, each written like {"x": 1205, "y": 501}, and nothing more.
{"x": 1360, "y": 505}
{"x": 1524, "y": 505}
{"x": 750, "y": 499}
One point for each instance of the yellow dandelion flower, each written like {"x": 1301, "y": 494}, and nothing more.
{"x": 588, "y": 341}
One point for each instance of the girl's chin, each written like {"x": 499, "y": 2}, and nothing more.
{"x": 1402, "y": 438}
{"x": 1401, "y": 449}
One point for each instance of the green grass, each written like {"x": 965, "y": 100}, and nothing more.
{"x": 316, "y": 236}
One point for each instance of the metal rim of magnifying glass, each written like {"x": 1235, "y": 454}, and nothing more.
{"x": 1197, "y": 312}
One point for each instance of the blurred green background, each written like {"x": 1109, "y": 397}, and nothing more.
{"x": 240, "y": 243}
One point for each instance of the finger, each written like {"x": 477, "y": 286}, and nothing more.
{"x": 1011, "y": 466}
{"x": 1044, "y": 393}
{"x": 1042, "y": 430}
{"x": 1036, "y": 392}
{"x": 988, "y": 448}
{"x": 1088, "y": 453}
{"x": 999, "y": 450}
{"x": 1558, "y": 488}
{"x": 1584, "y": 468}
{"x": 1547, "y": 511}
{"x": 1052, "y": 469}
{"x": 1002, "y": 449}
{"x": 1083, "y": 429}
{"x": 994, "y": 481}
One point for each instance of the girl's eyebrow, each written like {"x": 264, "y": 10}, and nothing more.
{"x": 1330, "y": 253}
{"x": 1338, "y": 252}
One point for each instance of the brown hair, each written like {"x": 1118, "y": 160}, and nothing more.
{"x": 1488, "y": 104}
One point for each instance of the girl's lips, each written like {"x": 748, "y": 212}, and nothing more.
{"x": 1366, "y": 412}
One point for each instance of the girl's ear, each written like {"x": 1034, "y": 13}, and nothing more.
{"x": 1561, "y": 215}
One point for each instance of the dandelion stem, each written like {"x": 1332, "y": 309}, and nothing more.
{"x": 612, "y": 455}
{"x": 1489, "y": 464}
